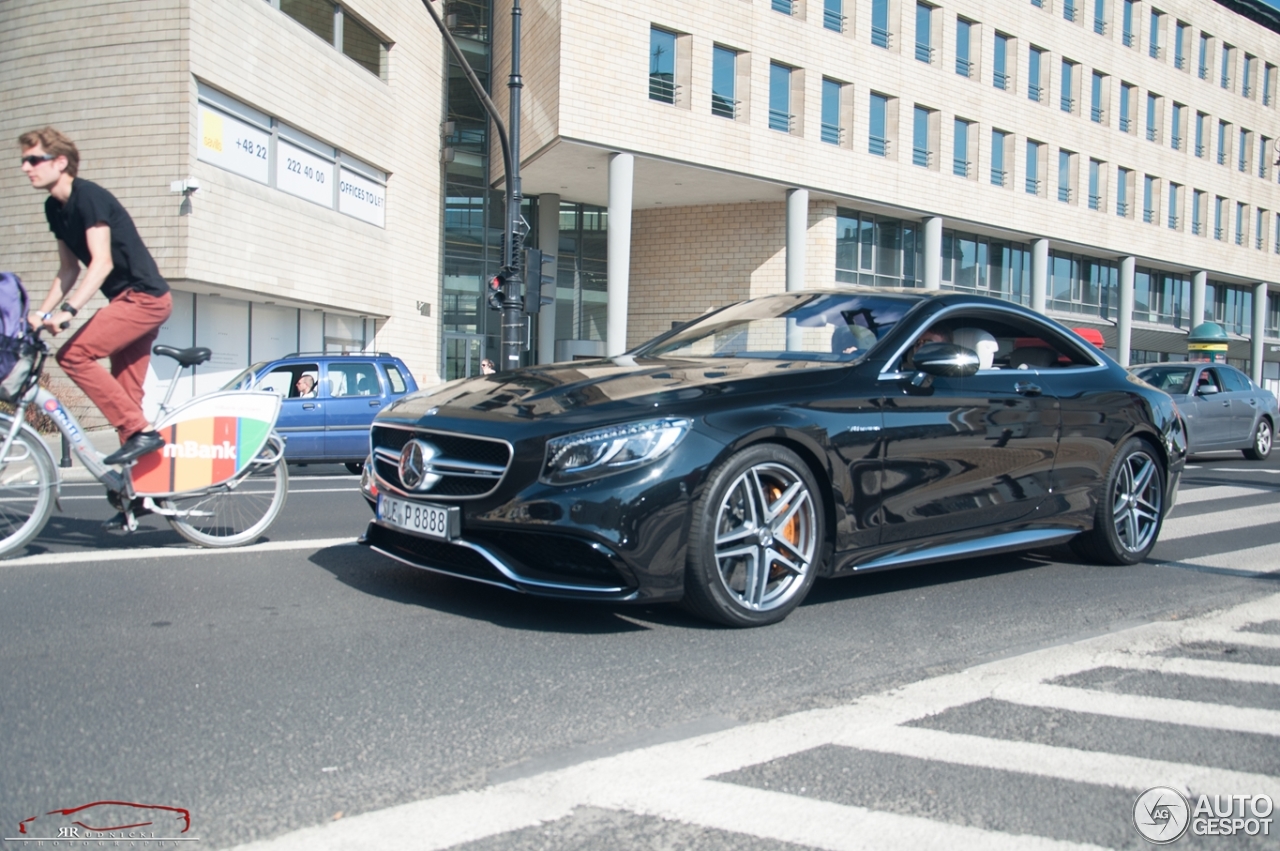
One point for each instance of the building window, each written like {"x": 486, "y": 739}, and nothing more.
{"x": 964, "y": 43}
{"x": 880, "y": 23}
{"x": 1000, "y": 62}
{"x": 1268, "y": 82}
{"x": 1228, "y": 63}
{"x": 340, "y": 28}
{"x": 878, "y": 251}
{"x": 1124, "y": 186}
{"x": 1246, "y": 76}
{"x": 1126, "y": 28}
{"x": 1066, "y": 176}
{"x": 1202, "y": 124}
{"x": 1034, "y": 66}
{"x": 1175, "y": 135}
{"x": 1069, "y": 10}
{"x": 985, "y": 266}
{"x": 1224, "y": 142}
{"x": 1149, "y": 192}
{"x": 780, "y": 117}
{"x": 1260, "y": 230}
{"x": 724, "y": 80}
{"x": 662, "y": 65}
{"x": 1095, "y": 184}
{"x": 1205, "y": 51}
{"x": 1100, "y": 17}
{"x": 832, "y": 94}
{"x": 1154, "y": 50}
{"x": 1083, "y": 285}
{"x": 924, "y": 120}
{"x": 1181, "y": 33}
{"x": 1067, "y": 94}
{"x": 1163, "y": 298}
{"x": 1264, "y": 160}
{"x": 877, "y": 138}
{"x": 1231, "y": 306}
{"x": 961, "y": 161}
{"x": 1000, "y": 141}
{"x": 1275, "y": 243}
{"x": 833, "y": 15}
{"x": 1175, "y": 223}
{"x": 1034, "y": 155}
{"x": 1219, "y": 218}
{"x": 1097, "y": 96}
{"x": 1153, "y": 117}
{"x": 1197, "y": 212}
{"x": 1246, "y": 146}
{"x": 924, "y": 32}
{"x": 1128, "y": 94}
{"x": 1242, "y": 211}
{"x": 786, "y": 7}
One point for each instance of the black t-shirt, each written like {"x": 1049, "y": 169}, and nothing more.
{"x": 90, "y": 204}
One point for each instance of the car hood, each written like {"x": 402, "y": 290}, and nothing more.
{"x": 608, "y": 385}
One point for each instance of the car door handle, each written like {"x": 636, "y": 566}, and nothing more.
{"x": 307, "y": 406}
{"x": 373, "y": 403}
{"x": 1026, "y": 388}
{"x": 1226, "y": 403}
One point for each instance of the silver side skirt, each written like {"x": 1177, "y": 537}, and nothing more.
{"x": 978, "y": 546}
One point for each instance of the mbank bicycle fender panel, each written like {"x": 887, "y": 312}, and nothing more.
{"x": 208, "y": 441}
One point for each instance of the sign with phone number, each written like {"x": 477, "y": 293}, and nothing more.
{"x": 302, "y": 173}
{"x": 235, "y": 145}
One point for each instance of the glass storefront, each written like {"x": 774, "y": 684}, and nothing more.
{"x": 990, "y": 267}
{"x": 878, "y": 251}
{"x": 1085, "y": 285}
{"x": 582, "y": 287}
{"x": 1230, "y": 306}
{"x": 1160, "y": 297}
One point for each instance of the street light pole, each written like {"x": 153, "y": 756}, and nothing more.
{"x": 513, "y": 239}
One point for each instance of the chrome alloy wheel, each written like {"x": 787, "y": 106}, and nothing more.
{"x": 766, "y": 537}
{"x": 1262, "y": 439}
{"x": 1137, "y": 501}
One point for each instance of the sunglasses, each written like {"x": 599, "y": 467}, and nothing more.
{"x": 35, "y": 159}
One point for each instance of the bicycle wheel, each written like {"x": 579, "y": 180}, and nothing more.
{"x": 229, "y": 517}
{"x": 27, "y": 480}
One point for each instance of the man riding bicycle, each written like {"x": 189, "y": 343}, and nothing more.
{"x": 93, "y": 228}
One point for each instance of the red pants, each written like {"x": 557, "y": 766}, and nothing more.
{"x": 122, "y": 331}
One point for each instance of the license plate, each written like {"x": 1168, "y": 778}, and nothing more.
{"x": 432, "y": 521}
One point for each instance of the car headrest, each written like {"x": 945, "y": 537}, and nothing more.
{"x": 978, "y": 341}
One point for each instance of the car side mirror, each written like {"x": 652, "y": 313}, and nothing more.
{"x": 1206, "y": 390}
{"x": 946, "y": 359}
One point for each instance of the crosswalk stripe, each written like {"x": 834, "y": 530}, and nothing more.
{"x": 1079, "y": 766}
{"x": 1143, "y": 708}
{"x": 1227, "y": 520}
{"x": 1240, "y": 672}
{"x": 1216, "y": 492}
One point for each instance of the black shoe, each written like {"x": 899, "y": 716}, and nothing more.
{"x": 135, "y": 447}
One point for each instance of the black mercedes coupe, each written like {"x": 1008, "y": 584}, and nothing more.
{"x": 733, "y": 460}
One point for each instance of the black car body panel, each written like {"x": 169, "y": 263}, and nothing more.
{"x": 910, "y": 467}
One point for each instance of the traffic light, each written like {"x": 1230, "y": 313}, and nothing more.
{"x": 498, "y": 289}
{"x": 536, "y": 281}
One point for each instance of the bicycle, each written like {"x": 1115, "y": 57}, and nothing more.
{"x": 220, "y": 480}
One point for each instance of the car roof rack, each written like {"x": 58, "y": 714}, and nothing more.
{"x": 338, "y": 355}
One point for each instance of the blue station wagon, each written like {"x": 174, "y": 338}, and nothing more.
{"x": 329, "y": 401}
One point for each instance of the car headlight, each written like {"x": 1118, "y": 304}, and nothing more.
{"x": 604, "y": 451}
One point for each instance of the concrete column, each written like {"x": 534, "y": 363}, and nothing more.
{"x": 1124, "y": 315}
{"x": 1039, "y": 274}
{"x": 549, "y": 242}
{"x": 1259, "y": 332}
{"x": 797, "y": 237}
{"x": 933, "y": 253}
{"x": 621, "y": 185}
{"x": 1199, "y": 281}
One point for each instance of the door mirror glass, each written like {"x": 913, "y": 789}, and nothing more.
{"x": 946, "y": 359}
{"x": 1207, "y": 390}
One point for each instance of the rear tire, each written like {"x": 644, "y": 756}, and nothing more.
{"x": 27, "y": 483}
{"x": 1263, "y": 436}
{"x": 756, "y": 540}
{"x": 1131, "y": 510}
{"x": 229, "y": 518}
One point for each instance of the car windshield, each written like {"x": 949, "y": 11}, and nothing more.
{"x": 1170, "y": 379}
{"x": 244, "y": 380}
{"x": 789, "y": 326}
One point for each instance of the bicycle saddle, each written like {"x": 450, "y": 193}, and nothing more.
{"x": 187, "y": 357}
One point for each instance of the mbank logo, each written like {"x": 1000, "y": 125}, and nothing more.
{"x": 195, "y": 449}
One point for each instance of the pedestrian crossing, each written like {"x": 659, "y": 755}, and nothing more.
{"x": 1044, "y": 750}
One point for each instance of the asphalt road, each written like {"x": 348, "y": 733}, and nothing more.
{"x": 274, "y": 690}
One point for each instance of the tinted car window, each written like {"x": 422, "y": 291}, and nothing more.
{"x": 353, "y": 379}
{"x": 396, "y": 379}
{"x": 1234, "y": 380}
{"x": 1208, "y": 378}
{"x": 812, "y": 326}
{"x": 1170, "y": 379}
{"x": 284, "y": 379}
{"x": 1003, "y": 340}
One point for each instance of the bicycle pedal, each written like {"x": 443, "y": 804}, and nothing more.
{"x": 122, "y": 524}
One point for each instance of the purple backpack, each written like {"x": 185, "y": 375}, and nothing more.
{"x": 15, "y": 336}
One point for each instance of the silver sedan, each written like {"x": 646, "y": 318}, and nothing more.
{"x": 1221, "y": 406}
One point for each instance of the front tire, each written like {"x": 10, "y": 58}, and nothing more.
{"x": 756, "y": 540}
{"x": 27, "y": 484}
{"x": 1131, "y": 511}
{"x": 1263, "y": 437}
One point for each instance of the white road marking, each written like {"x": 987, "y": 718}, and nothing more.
{"x": 672, "y": 780}
{"x": 1227, "y": 520}
{"x": 1240, "y": 672}
{"x": 1194, "y": 495}
{"x": 173, "y": 552}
